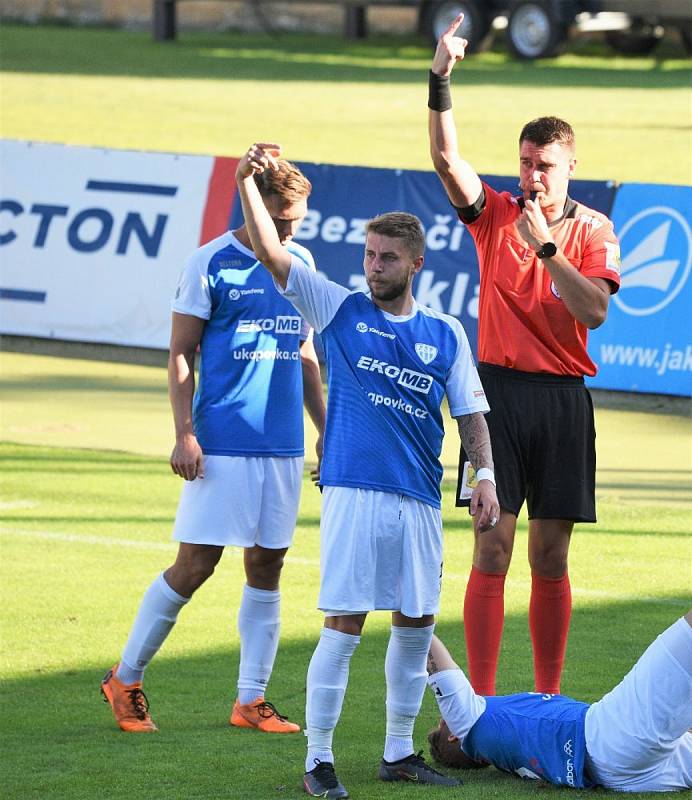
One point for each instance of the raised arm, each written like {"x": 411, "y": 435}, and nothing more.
{"x": 259, "y": 224}
{"x": 462, "y": 184}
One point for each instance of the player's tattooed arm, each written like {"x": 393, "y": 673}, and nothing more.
{"x": 431, "y": 666}
{"x": 439, "y": 658}
{"x": 475, "y": 438}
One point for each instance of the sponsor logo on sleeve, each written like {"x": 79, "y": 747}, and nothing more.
{"x": 613, "y": 257}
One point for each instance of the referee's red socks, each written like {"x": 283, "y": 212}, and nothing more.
{"x": 484, "y": 616}
{"x": 550, "y": 610}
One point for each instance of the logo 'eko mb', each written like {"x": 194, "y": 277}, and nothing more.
{"x": 656, "y": 245}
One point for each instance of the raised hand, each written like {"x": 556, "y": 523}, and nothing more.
{"x": 260, "y": 156}
{"x": 450, "y": 49}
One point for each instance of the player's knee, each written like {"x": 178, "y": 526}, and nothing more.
{"x": 263, "y": 570}
{"x": 493, "y": 556}
{"x": 548, "y": 562}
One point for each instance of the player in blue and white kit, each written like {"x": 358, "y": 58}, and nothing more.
{"x": 635, "y": 739}
{"x": 390, "y": 365}
{"x": 239, "y": 447}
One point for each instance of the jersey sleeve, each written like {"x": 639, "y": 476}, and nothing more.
{"x": 463, "y": 386}
{"x": 492, "y": 211}
{"x": 316, "y": 298}
{"x": 192, "y": 296}
{"x": 601, "y": 257}
{"x": 306, "y": 256}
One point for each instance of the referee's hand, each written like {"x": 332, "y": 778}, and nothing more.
{"x": 450, "y": 49}
{"x": 484, "y": 506}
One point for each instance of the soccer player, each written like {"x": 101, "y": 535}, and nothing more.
{"x": 239, "y": 447}
{"x": 635, "y": 739}
{"x": 548, "y": 266}
{"x": 390, "y": 364}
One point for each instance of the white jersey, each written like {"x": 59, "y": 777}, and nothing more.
{"x": 387, "y": 378}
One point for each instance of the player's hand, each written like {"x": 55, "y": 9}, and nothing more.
{"x": 319, "y": 450}
{"x": 484, "y": 506}
{"x": 187, "y": 459}
{"x": 450, "y": 49}
{"x": 260, "y": 156}
{"x": 532, "y": 224}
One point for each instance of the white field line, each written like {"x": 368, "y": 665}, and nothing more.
{"x": 311, "y": 562}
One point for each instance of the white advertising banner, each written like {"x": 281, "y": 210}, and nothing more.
{"x": 92, "y": 241}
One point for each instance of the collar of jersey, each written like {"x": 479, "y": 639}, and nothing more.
{"x": 394, "y": 317}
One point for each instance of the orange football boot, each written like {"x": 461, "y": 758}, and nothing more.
{"x": 263, "y": 716}
{"x": 129, "y": 703}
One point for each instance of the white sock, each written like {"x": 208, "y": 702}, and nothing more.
{"x": 404, "y": 669}
{"x": 156, "y": 616}
{"x": 258, "y": 625}
{"x": 326, "y": 686}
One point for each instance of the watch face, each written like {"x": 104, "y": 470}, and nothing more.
{"x": 547, "y": 251}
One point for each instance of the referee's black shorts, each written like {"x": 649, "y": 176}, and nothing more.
{"x": 544, "y": 443}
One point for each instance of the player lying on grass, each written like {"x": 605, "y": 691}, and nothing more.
{"x": 635, "y": 739}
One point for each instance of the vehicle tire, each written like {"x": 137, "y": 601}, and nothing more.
{"x": 436, "y": 17}
{"x": 536, "y": 30}
{"x": 637, "y": 40}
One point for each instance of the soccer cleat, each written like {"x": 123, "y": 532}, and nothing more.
{"x": 263, "y": 716}
{"x": 129, "y": 703}
{"x": 414, "y": 769}
{"x": 322, "y": 781}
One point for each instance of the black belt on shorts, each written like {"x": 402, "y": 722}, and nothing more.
{"x": 544, "y": 378}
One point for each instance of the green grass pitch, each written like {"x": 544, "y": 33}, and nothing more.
{"x": 86, "y": 506}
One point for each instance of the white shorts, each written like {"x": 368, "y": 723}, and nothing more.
{"x": 379, "y": 551}
{"x": 241, "y": 501}
{"x": 636, "y": 736}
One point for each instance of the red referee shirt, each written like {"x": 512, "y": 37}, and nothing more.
{"x": 522, "y": 322}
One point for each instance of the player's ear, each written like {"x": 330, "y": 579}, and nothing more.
{"x": 451, "y": 738}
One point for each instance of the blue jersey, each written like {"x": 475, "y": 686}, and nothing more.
{"x": 539, "y": 736}
{"x": 387, "y": 378}
{"x": 249, "y": 396}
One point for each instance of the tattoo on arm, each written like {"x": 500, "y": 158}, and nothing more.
{"x": 475, "y": 438}
{"x": 431, "y": 666}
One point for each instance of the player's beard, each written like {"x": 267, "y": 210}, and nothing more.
{"x": 391, "y": 291}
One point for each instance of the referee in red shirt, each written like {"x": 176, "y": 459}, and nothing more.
{"x": 548, "y": 266}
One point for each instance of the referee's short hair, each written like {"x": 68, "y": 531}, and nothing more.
{"x": 400, "y": 225}
{"x": 546, "y": 130}
{"x": 287, "y": 182}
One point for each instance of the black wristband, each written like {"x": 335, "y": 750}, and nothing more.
{"x": 439, "y": 95}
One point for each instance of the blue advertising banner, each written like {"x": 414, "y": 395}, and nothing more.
{"x": 344, "y": 198}
{"x": 646, "y": 343}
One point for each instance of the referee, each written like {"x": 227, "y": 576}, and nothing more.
{"x": 548, "y": 266}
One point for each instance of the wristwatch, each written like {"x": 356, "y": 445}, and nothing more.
{"x": 548, "y": 250}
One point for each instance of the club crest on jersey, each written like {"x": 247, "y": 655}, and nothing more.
{"x": 426, "y": 352}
